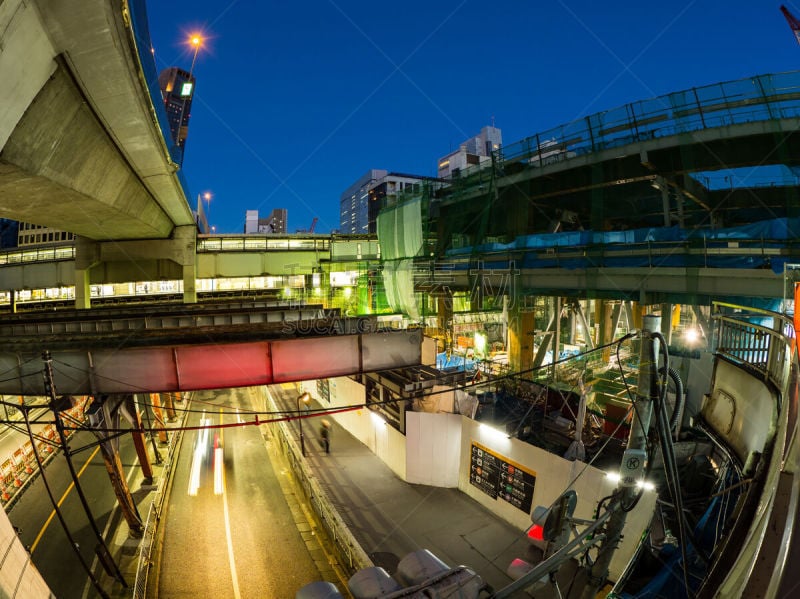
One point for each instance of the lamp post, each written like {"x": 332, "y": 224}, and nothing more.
{"x": 206, "y": 195}
{"x": 305, "y": 398}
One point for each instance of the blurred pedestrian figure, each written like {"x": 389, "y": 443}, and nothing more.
{"x": 325, "y": 435}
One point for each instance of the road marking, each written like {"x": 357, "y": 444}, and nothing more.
{"x": 234, "y": 577}
{"x": 60, "y": 501}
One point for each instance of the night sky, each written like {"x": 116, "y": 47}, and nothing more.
{"x": 296, "y": 100}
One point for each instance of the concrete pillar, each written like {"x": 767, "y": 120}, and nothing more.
{"x": 13, "y": 300}
{"x": 190, "y": 283}
{"x": 87, "y": 255}
{"x": 520, "y": 340}
{"x": 83, "y": 294}
{"x": 183, "y": 250}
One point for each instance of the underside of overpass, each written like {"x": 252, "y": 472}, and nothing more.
{"x": 82, "y": 147}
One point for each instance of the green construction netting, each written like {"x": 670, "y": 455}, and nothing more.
{"x": 400, "y": 238}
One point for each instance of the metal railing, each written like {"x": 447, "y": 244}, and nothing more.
{"x": 759, "y": 98}
{"x": 350, "y": 551}
{"x": 764, "y": 342}
{"x": 760, "y": 339}
{"x": 148, "y": 541}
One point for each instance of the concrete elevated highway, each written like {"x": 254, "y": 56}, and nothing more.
{"x": 82, "y": 135}
{"x": 646, "y": 164}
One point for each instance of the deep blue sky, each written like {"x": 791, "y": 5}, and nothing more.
{"x": 296, "y": 100}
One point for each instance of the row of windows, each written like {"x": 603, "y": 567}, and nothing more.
{"x": 51, "y": 236}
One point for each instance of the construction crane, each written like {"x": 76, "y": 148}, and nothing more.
{"x": 311, "y": 228}
{"x": 793, "y": 22}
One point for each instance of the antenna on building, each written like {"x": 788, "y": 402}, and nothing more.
{"x": 492, "y": 121}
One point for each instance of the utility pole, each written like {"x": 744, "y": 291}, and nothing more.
{"x": 635, "y": 456}
{"x": 58, "y": 405}
{"x": 101, "y": 419}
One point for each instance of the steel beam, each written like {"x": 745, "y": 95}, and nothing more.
{"x": 210, "y": 366}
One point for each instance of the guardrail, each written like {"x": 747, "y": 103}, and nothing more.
{"x": 147, "y": 543}
{"x": 759, "y": 98}
{"x": 767, "y": 348}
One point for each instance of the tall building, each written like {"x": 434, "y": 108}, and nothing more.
{"x": 274, "y": 223}
{"x": 353, "y": 203}
{"x": 177, "y": 89}
{"x": 360, "y": 203}
{"x": 475, "y": 150}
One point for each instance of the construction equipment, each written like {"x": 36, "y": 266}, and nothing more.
{"x": 794, "y": 23}
{"x": 310, "y": 229}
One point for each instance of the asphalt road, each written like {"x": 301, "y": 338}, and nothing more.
{"x": 240, "y": 540}
{"x": 41, "y": 529}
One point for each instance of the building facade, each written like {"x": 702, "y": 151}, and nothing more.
{"x": 177, "y": 90}
{"x": 354, "y": 203}
{"x": 360, "y": 203}
{"x": 473, "y": 151}
{"x": 274, "y": 223}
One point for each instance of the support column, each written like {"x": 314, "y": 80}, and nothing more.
{"x": 520, "y": 340}
{"x": 156, "y": 403}
{"x": 13, "y": 300}
{"x": 667, "y": 317}
{"x": 115, "y": 471}
{"x": 444, "y": 317}
{"x": 141, "y": 447}
{"x": 604, "y": 316}
{"x": 556, "y": 334}
{"x": 87, "y": 254}
{"x": 166, "y": 400}
{"x": 83, "y": 295}
{"x": 185, "y": 254}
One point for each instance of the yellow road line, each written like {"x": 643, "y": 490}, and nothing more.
{"x": 60, "y": 501}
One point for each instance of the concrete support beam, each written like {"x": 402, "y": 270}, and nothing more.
{"x": 179, "y": 250}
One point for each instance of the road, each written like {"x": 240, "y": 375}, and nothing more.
{"x": 228, "y": 531}
{"x": 41, "y": 529}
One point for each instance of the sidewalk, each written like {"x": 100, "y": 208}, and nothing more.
{"x": 391, "y": 518}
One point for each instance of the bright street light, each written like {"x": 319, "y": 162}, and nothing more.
{"x": 197, "y": 41}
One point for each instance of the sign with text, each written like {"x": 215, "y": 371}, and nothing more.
{"x": 499, "y": 477}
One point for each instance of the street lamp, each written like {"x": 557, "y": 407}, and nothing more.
{"x": 305, "y": 398}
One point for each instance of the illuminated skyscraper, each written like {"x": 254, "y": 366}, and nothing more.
{"x": 177, "y": 90}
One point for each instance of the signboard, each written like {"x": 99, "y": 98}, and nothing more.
{"x": 501, "y": 478}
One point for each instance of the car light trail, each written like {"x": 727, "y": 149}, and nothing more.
{"x": 198, "y": 456}
{"x": 219, "y": 465}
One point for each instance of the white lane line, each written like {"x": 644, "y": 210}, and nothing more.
{"x": 234, "y": 577}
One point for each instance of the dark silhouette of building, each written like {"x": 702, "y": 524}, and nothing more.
{"x": 177, "y": 90}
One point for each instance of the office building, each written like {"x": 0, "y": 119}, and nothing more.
{"x": 177, "y": 90}
{"x": 360, "y": 203}
{"x": 32, "y": 235}
{"x": 274, "y": 223}
{"x": 473, "y": 151}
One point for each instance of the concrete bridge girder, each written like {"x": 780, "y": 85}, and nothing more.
{"x": 641, "y": 284}
{"x": 129, "y": 256}
{"x": 79, "y": 139}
